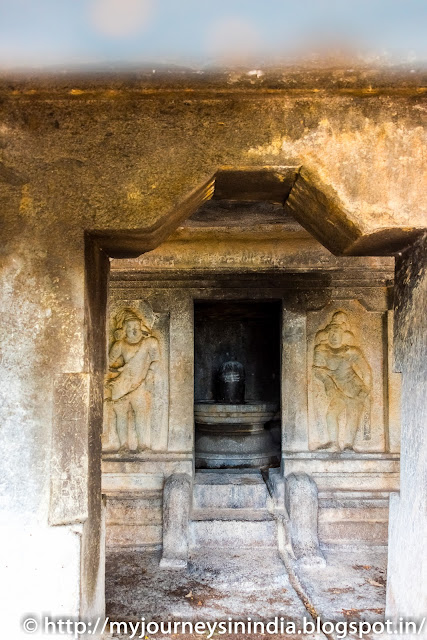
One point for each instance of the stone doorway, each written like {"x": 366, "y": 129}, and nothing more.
{"x": 237, "y": 384}
{"x": 323, "y": 496}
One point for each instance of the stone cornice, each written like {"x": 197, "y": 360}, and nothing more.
{"x": 83, "y": 84}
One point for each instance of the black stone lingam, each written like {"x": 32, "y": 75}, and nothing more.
{"x": 231, "y": 383}
{"x": 230, "y": 432}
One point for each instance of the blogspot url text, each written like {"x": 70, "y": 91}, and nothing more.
{"x": 143, "y": 628}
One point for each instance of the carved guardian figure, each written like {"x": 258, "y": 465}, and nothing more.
{"x": 133, "y": 361}
{"x": 346, "y": 377}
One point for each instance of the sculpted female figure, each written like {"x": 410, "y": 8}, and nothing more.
{"x": 347, "y": 380}
{"x": 133, "y": 361}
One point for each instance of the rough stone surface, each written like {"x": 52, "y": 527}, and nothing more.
{"x": 68, "y": 495}
{"x": 276, "y": 486}
{"x": 224, "y": 584}
{"x": 350, "y": 587}
{"x": 219, "y": 585}
{"x": 407, "y": 565}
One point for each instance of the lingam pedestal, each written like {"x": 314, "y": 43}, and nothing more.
{"x": 234, "y": 435}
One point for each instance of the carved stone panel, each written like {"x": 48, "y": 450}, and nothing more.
{"x": 346, "y": 379}
{"x": 137, "y": 381}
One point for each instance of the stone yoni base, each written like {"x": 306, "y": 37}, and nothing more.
{"x": 234, "y": 436}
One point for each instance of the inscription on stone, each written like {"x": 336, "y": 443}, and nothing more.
{"x": 69, "y": 461}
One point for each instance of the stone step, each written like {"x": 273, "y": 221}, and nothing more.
{"x": 233, "y": 532}
{"x": 225, "y": 490}
{"x": 355, "y": 525}
{"x": 257, "y": 515}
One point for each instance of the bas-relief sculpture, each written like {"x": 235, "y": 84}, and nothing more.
{"x": 135, "y": 385}
{"x": 133, "y": 361}
{"x": 342, "y": 386}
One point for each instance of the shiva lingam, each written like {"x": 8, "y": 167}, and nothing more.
{"x": 231, "y": 433}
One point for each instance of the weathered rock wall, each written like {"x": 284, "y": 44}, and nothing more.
{"x": 407, "y": 567}
{"x": 78, "y": 158}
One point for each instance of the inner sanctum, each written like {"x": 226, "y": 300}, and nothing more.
{"x": 251, "y": 421}
{"x": 237, "y": 364}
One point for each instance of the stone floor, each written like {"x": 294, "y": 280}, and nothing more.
{"x": 350, "y": 587}
{"x": 240, "y": 583}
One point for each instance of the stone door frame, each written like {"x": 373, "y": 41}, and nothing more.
{"x": 307, "y": 200}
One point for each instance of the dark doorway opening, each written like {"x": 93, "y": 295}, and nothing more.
{"x": 237, "y": 348}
